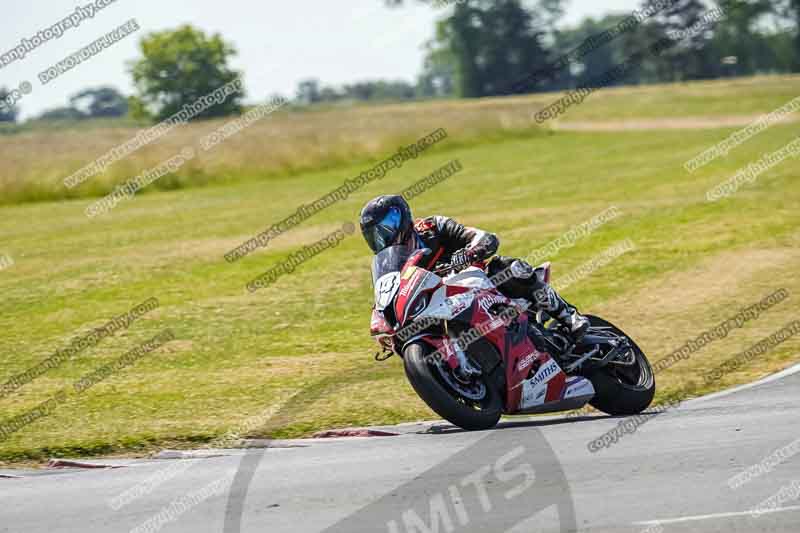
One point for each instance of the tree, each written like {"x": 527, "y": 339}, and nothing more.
{"x": 311, "y": 92}
{"x": 685, "y": 60}
{"x": 795, "y": 9}
{"x": 101, "y": 102}
{"x": 492, "y": 44}
{"x": 739, "y": 35}
{"x": 330, "y": 94}
{"x": 551, "y": 11}
{"x": 486, "y": 48}
{"x": 786, "y": 41}
{"x": 62, "y": 113}
{"x": 376, "y": 91}
{"x": 178, "y": 68}
{"x": 594, "y": 64}
{"x": 438, "y": 77}
{"x": 308, "y": 92}
{"x": 8, "y": 113}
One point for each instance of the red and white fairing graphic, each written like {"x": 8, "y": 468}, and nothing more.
{"x": 545, "y": 390}
{"x": 550, "y": 388}
{"x": 535, "y": 383}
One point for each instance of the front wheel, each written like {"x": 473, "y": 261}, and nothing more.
{"x": 472, "y": 404}
{"x": 621, "y": 389}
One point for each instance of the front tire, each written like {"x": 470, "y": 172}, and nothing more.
{"x": 622, "y": 390}
{"x": 466, "y": 413}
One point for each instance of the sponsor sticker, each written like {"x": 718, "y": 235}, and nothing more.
{"x": 487, "y": 302}
{"x": 544, "y": 374}
{"x": 526, "y": 361}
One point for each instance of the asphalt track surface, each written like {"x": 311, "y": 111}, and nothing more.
{"x": 671, "y": 474}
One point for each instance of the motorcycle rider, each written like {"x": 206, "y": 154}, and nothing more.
{"x": 387, "y": 221}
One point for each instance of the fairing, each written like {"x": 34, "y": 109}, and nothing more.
{"x": 469, "y": 301}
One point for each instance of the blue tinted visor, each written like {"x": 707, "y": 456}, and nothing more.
{"x": 384, "y": 233}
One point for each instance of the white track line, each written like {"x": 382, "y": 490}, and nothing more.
{"x": 774, "y": 377}
{"x": 712, "y": 516}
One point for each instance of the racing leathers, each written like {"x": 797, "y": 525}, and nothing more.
{"x": 461, "y": 246}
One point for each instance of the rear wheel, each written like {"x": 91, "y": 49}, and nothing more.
{"x": 622, "y": 389}
{"x": 471, "y": 404}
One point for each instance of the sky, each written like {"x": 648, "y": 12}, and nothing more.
{"x": 278, "y": 43}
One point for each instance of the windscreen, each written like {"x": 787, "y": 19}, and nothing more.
{"x": 389, "y": 260}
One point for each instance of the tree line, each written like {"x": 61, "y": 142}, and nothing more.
{"x": 485, "y": 47}
{"x": 481, "y": 48}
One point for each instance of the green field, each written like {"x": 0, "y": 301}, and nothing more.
{"x": 236, "y": 354}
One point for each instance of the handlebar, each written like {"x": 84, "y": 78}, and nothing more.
{"x": 444, "y": 269}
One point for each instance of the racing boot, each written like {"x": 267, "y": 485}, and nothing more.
{"x": 547, "y": 299}
{"x": 554, "y": 305}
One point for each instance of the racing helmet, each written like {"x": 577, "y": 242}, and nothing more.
{"x": 386, "y": 221}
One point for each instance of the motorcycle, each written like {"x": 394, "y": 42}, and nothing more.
{"x": 473, "y": 355}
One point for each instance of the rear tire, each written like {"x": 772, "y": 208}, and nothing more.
{"x": 445, "y": 401}
{"x": 619, "y": 392}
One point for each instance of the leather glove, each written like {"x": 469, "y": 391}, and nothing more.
{"x": 461, "y": 259}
